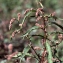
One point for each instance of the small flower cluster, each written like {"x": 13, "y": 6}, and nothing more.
{"x": 11, "y": 21}
{"x": 41, "y": 26}
{"x": 14, "y": 19}
{"x": 16, "y": 31}
{"x": 53, "y": 15}
{"x": 19, "y": 16}
{"x": 39, "y": 11}
{"x": 27, "y": 11}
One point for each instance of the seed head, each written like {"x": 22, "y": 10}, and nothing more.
{"x": 28, "y": 10}
{"x": 11, "y": 21}
{"x": 19, "y": 16}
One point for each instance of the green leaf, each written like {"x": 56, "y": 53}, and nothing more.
{"x": 17, "y": 55}
{"x": 56, "y": 32}
{"x": 41, "y": 4}
{"x": 28, "y": 32}
{"x": 49, "y": 53}
{"x": 27, "y": 15}
{"x": 57, "y": 25}
{"x": 33, "y": 28}
{"x": 26, "y": 49}
{"x": 27, "y": 54}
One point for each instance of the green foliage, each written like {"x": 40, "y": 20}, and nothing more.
{"x": 10, "y": 8}
{"x": 49, "y": 53}
{"x": 35, "y": 30}
{"x": 21, "y": 55}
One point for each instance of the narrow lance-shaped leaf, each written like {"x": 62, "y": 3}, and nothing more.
{"x": 49, "y": 53}
{"x": 57, "y": 25}
{"x": 56, "y": 32}
{"x": 27, "y": 15}
{"x": 41, "y": 4}
{"x": 31, "y": 29}
{"x": 25, "y": 51}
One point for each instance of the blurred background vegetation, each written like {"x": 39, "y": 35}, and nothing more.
{"x": 10, "y": 8}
